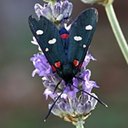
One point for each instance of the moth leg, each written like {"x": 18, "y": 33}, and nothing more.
{"x": 57, "y": 86}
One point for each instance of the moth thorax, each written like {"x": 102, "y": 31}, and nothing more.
{"x": 67, "y": 72}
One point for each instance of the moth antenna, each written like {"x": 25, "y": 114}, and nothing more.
{"x": 100, "y": 101}
{"x": 49, "y": 112}
{"x": 57, "y": 86}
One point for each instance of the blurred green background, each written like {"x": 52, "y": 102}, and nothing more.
{"x": 22, "y": 103}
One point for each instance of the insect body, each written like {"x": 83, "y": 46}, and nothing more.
{"x": 65, "y": 50}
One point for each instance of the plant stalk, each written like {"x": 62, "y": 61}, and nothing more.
{"x": 80, "y": 124}
{"x": 117, "y": 30}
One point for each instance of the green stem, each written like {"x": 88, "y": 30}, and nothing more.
{"x": 80, "y": 124}
{"x": 117, "y": 30}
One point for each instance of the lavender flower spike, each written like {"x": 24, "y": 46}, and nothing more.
{"x": 73, "y": 101}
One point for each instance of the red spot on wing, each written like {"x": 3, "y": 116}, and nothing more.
{"x": 64, "y": 36}
{"x": 75, "y": 62}
{"x": 57, "y": 64}
{"x": 53, "y": 68}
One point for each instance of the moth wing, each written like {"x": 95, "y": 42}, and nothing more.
{"x": 81, "y": 34}
{"x": 48, "y": 38}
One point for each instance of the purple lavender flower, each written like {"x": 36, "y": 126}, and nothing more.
{"x": 57, "y": 12}
{"x": 74, "y": 109}
{"x": 41, "y": 66}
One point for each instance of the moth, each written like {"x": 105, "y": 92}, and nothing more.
{"x": 65, "y": 49}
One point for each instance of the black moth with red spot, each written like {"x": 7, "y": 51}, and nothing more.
{"x": 64, "y": 49}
